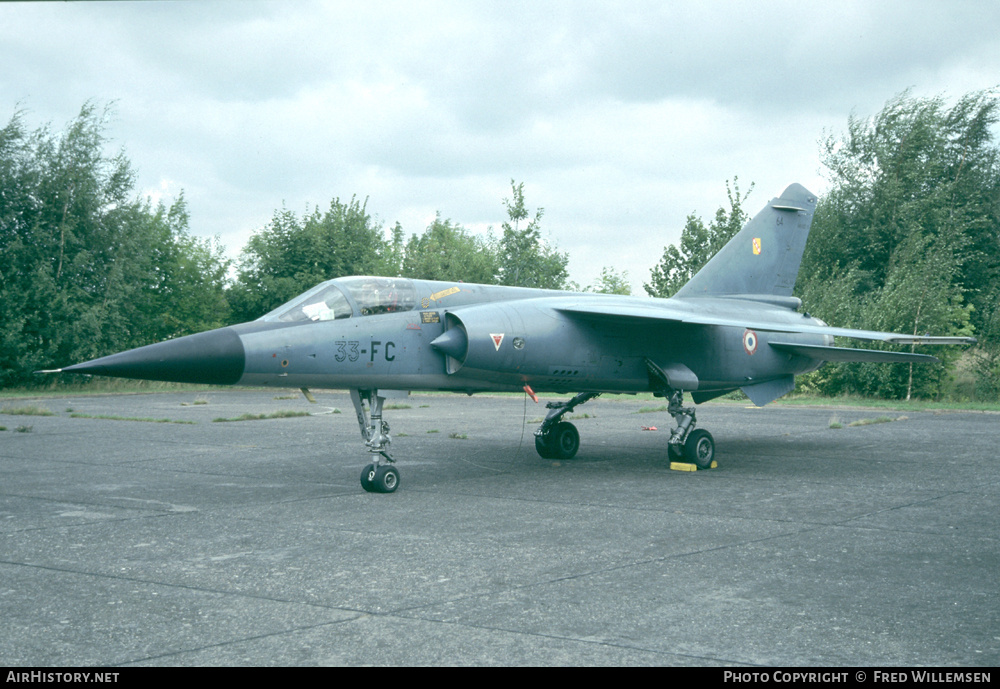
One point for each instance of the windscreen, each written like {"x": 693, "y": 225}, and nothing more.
{"x": 324, "y": 302}
{"x": 327, "y": 301}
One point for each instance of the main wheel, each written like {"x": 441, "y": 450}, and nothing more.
{"x": 542, "y": 447}
{"x": 386, "y": 479}
{"x": 367, "y": 476}
{"x": 564, "y": 440}
{"x": 699, "y": 448}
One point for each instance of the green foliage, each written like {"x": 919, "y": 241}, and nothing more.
{"x": 447, "y": 252}
{"x": 291, "y": 255}
{"x": 185, "y": 280}
{"x": 523, "y": 258}
{"x": 86, "y": 268}
{"x": 698, "y": 244}
{"x": 27, "y": 410}
{"x": 613, "y": 282}
{"x": 906, "y": 239}
{"x": 986, "y": 356}
{"x": 610, "y": 282}
{"x": 113, "y": 417}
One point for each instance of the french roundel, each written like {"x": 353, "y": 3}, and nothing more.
{"x": 750, "y": 341}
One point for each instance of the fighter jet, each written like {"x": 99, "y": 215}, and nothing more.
{"x": 734, "y": 326}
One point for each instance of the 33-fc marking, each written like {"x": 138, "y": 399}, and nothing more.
{"x": 350, "y": 350}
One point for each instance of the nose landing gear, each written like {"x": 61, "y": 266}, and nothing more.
{"x": 376, "y": 477}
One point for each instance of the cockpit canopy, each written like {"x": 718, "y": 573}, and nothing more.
{"x": 347, "y": 297}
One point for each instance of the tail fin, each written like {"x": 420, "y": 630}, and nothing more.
{"x": 763, "y": 258}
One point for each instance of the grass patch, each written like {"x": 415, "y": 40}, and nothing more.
{"x": 24, "y": 429}
{"x": 879, "y": 419}
{"x": 571, "y": 417}
{"x": 396, "y": 406}
{"x": 27, "y": 410}
{"x": 97, "y": 385}
{"x": 111, "y": 417}
{"x": 3, "y": 428}
{"x": 259, "y": 417}
{"x": 458, "y": 436}
{"x": 286, "y": 397}
{"x": 874, "y": 403}
{"x": 650, "y": 410}
{"x": 434, "y": 431}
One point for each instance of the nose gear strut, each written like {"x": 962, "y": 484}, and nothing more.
{"x": 376, "y": 477}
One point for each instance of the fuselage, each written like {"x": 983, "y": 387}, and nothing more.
{"x": 396, "y": 333}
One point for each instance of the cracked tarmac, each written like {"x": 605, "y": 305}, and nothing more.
{"x": 126, "y": 543}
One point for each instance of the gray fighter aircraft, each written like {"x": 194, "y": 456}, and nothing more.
{"x": 735, "y": 325}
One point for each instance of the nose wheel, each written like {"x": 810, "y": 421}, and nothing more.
{"x": 380, "y": 479}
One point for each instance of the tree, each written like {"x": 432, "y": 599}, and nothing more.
{"x": 919, "y": 296}
{"x": 986, "y": 356}
{"x": 524, "y": 258}
{"x": 185, "y": 290}
{"x": 610, "y": 282}
{"x": 446, "y": 251}
{"x": 289, "y": 256}
{"x": 698, "y": 244}
{"x": 83, "y": 262}
{"x": 907, "y": 238}
{"x": 916, "y": 165}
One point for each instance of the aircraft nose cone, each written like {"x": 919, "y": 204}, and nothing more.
{"x": 215, "y": 357}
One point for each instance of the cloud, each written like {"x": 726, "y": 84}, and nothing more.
{"x": 620, "y": 118}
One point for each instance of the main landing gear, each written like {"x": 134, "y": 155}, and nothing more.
{"x": 376, "y": 477}
{"x": 687, "y": 443}
{"x": 558, "y": 439}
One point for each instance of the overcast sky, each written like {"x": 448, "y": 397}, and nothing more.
{"x": 621, "y": 118}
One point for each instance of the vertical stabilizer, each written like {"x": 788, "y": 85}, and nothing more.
{"x": 763, "y": 258}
